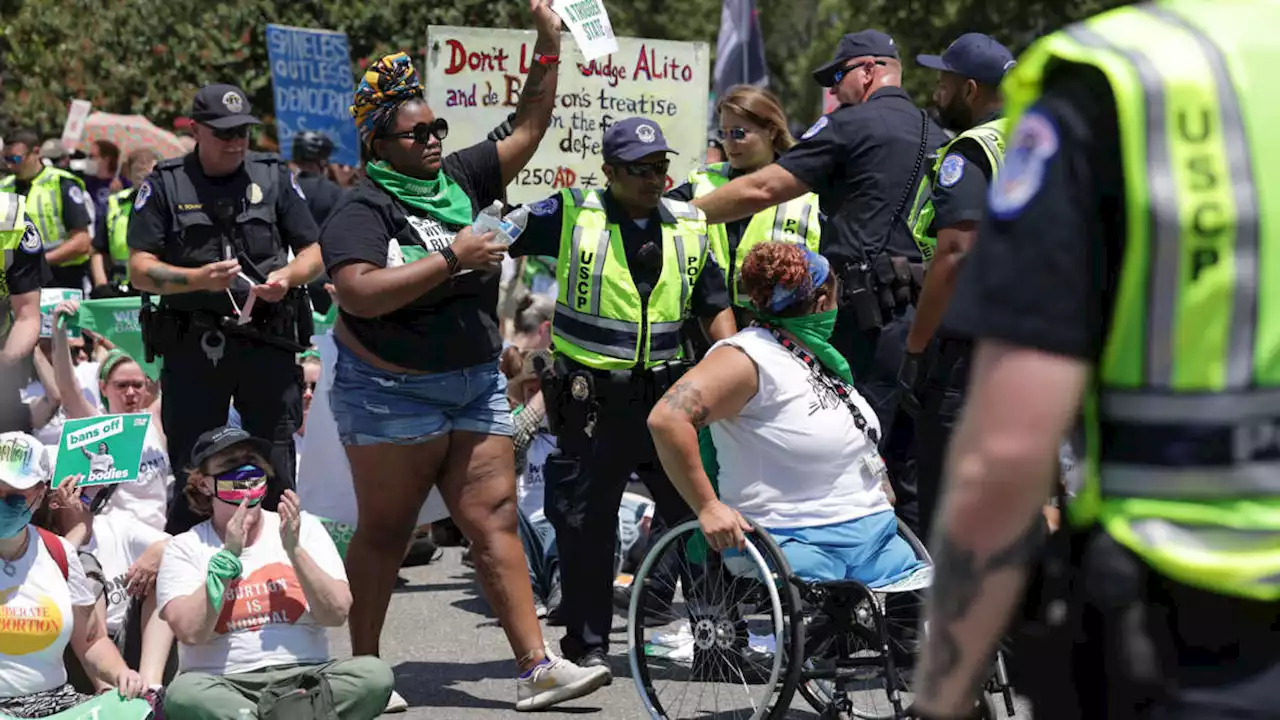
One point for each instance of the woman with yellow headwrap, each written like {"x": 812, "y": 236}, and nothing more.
{"x": 417, "y": 395}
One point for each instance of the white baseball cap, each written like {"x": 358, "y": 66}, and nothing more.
{"x": 23, "y": 461}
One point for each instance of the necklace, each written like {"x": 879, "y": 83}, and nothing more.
{"x": 10, "y": 567}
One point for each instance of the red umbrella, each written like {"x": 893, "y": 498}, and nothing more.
{"x": 131, "y": 132}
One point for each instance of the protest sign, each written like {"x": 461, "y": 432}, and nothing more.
{"x": 312, "y": 83}
{"x": 474, "y": 77}
{"x": 116, "y": 319}
{"x": 73, "y": 130}
{"x": 49, "y": 299}
{"x": 589, "y": 24}
{"x": 105, "y": 449}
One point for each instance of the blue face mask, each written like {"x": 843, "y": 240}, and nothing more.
{"x": 15, "y": 513}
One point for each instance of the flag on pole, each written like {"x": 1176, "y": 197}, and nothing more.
{"x": 739, "y": 50}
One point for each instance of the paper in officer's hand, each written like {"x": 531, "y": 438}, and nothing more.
{"x": 589, "y": 22}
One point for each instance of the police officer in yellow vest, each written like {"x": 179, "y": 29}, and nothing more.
{"x": 24, "y": 273}
{"x": 57, "y": 203}
{"x": 1127, "y": 277}
{"x": 944, "y": 220}
{"x": 632, "y": 268}
{"x": 109, "y": 266}
{"x": 753, "y": 129}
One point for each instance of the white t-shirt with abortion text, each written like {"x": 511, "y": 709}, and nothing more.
{"x": 35, "y": 618}
{"x": 146, "y": 499}
{"x": 265, "y": 620}
{"x": 117, "y": 542}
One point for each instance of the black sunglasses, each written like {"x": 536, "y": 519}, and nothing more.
{"x": 736, "y": 134}
{"x": 423, "y": 132}
{"x": 235, "y": 133}
{"x": 856, "y": 66}
{"x": 647, "y": 170}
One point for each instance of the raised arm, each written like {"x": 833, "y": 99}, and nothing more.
{"x": 64, "y": 375}
{"x": 537, "y": 100}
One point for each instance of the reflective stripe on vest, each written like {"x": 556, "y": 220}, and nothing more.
{"x": 1184, "y": 430}
{"x": 600, "y": 321}
{"x": 990, "y": 136}
{"x": 12, "y": 227}
{"x": 44, "y": 207}
{"x": 795, "y": 221}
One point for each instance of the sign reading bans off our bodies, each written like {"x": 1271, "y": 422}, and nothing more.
{"x": 474, "y": 78}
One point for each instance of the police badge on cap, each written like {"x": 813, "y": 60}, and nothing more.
{"x": 233, "y": 102}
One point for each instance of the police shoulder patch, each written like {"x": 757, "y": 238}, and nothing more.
{"x": 144, "y": 193}
{"x": 1034, "y": 143}
{"x": 31, "y": 243}
{"x": 293, "y": 180}
{"x": 545, "y": 207}
{"x": 815, "y": 128}
{"x": 951, "y": 171}
{"x": 76, "y": 194}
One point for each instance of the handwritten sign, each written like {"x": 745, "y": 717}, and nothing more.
{"x": 73, "y": 130}
{"x": 474, "y": 78}
{"x": 588, "y": 21}
{"x": 312, "y": 83}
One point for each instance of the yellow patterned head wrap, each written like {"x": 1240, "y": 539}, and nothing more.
{"x": 386, "y": 85}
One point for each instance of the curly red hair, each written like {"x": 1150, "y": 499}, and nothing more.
{"x": 771, "y": 264}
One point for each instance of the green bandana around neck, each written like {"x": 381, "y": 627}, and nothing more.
{"x": 441, "y": 198}
{"x": 814, "y": 332}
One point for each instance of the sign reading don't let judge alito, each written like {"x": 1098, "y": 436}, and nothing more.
{"x": 474, "y": 78}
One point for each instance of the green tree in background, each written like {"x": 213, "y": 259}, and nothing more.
{"x": 146, "y": 57}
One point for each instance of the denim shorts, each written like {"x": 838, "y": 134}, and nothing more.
{"x": 376, "y": 407}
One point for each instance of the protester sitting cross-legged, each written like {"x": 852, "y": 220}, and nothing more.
{"x": 795, "y": 444}
{"x": 249, "y": 593}
{"x": 47, "y": 602}
{"x": 123, "y": 385}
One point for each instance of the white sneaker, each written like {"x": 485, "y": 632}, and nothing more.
{"x": 556, "y": 681}
{"x": 396, "y": 704}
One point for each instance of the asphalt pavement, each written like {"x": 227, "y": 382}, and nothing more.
{"x": 452, "y": 661}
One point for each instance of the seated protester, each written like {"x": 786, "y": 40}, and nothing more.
{"x": 129, "y": 553}
{"x": 796, "y": 445}
{"x": 123, "y": 385}
{"x": 46, "y": 601}
{"x": 249, "y": 594}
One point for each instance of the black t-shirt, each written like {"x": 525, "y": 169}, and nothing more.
{"x": 1045, "y": 269}
{"x": 642, "y": 245}
{"x": 27, "y": 271}
{"x": 862, "y": 160}
{"x": 322, "y": 194}
{"x": 960, "y": 190}
{"x": 151, "y": 226}
{"x": 455, "y": 324}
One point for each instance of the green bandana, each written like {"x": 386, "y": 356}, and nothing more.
{"x": 814, "y": 332}
{"x": 223, "y": 568}
{"x": 441, "y": 198}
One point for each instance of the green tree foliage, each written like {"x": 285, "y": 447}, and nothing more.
{"x": 146, "y": 56}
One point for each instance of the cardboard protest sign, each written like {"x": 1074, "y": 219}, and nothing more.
{"x": 588, "y": 21}
{"x": 49, "y": 299}
{"x": 474, "y": 77}
{"x": 312, "y": 83}
{"x": 105, "y": 449}
{"x": 73, "y": 130}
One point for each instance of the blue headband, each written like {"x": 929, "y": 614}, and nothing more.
{"x": 819, "y": 270}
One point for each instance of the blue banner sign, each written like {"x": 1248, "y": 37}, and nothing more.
{"x": 312, "y": 83}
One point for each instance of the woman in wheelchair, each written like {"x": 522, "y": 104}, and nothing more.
{"x": 795, "y": 444}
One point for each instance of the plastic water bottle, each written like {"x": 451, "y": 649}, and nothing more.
{"x": 506, "y": 228}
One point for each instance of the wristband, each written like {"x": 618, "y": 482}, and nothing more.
{"x": 450, "y": 258}
{"x": 223, "y": 568}
{"x": 548, "y": 60}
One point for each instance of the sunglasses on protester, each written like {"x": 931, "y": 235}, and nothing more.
{"x": 235, "y": 133}
{"x": 647, "y": 170}
{"x": 423, "y": 132}
{"x": 840, "y": 74}
{"x": 736, "y": 134}
{"x": 12, "y": 159}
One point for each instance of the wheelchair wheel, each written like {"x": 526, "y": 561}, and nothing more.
{"x": 711, "y": 634}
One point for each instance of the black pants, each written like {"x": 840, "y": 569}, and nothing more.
{"x": 266, "y": 384}
{"x": 1141, "y": 646}
{"x": 584, "y": 490}
{"x": 942, "y": 396}
{"x": 15, "y": 416}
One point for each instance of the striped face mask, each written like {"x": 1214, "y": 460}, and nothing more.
{"x": 245, "y": 482}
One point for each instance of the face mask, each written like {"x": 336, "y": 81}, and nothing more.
{"x": 809, "y": 329}
{"x": 245, "y": 482}
{"x": 15, "y": 513}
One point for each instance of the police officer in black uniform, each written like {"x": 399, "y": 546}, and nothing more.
{"x": 865, "y": 160}
{"x": 211, "y": 232}
{"x": 311, "y": 151}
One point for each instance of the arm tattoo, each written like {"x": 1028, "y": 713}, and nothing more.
{"x": 533, "y": 93}
{"x": 959, "y": 576}
{"x": 162, "y": 276}
{"x": 687, "y": 398}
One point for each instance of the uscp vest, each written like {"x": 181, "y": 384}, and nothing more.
{"x": 600, "y": 320}
{"x": 990, "y": 137}
{"x": 794, "y": 221}
{"x": 44, "y": 207}
{"x": 13, "y": 226}
{"x": 1183, "y": 418}
{"x": 119, "y": 210}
